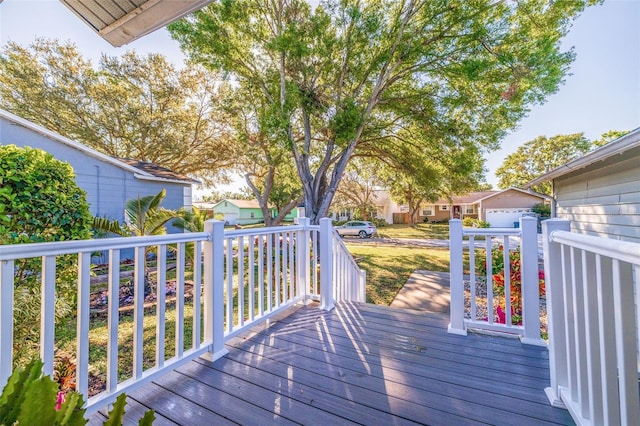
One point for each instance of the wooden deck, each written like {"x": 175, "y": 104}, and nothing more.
{"x": 360, "y": 364}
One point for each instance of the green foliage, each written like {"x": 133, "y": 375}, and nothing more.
{"x": 40, "y": 202}
{"x": 473, "y": 222}
{"x": 340, "y": 80}
{"x": 543, "y": 209}
{"x": 131, "y": 106}
{"x": 29, "y": 398}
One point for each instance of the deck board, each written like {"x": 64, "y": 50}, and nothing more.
{"x": 359, "y": 364}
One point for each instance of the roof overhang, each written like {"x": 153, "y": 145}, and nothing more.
{"x": 618, "y": 146}
{"x": 123, "y": 21}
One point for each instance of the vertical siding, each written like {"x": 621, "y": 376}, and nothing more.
{"x": 604, "y": 198}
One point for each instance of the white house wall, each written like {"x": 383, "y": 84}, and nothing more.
{"x": 604, "y": 198}
{"x": 108, "y": 187}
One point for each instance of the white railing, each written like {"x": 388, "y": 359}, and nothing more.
{"x": 593, "y": 325}
{"x": 484, "y": 307}
{"x": 223, "y": 281}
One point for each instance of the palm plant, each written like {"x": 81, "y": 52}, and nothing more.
{"x": 143, "y": 216}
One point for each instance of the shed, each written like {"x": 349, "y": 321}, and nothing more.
{"x": 600, "y": 191}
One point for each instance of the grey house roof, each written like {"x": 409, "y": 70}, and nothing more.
{"x": 618, "y": 146}
{"x": 122, "y": 21}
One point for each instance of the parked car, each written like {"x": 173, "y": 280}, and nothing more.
{"x": 357, "y": 227}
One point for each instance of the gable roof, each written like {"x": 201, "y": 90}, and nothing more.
{"x": 122, "y": 21}
{"x": 476, "y": 197}
{"x": 157, "y": 171}
{"x": 138, "y": 172}
{"x": 618, "y": 146}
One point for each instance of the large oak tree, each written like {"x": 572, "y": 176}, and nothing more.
{"x": 464, "y": 70}
{"x": 132, "y": 106}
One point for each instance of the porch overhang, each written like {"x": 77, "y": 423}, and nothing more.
{"x": 122, "y": 21}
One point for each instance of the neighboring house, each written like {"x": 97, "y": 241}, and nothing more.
{"x": 500, "y": 208}
{"x": 382, "y": 202}
{"x": 600, "y": 191}
{"x": 109, "y": 182}
{"x": 239, "y": 212}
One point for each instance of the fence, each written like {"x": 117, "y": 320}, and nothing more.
{"x": 519, "y": 295}
{"x": 593, "y": 325}
{"x": 222, "y": 282}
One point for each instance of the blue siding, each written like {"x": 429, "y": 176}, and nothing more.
{"x": 108, "y": 186}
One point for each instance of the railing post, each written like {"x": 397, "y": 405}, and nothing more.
{"x": 555, "y": 310}
{"x": 326, "y": 264}
{"x": 302, "y": 260}
{"x": 456, "y": 308}
{"x": 6, "y": 320}
{"x": 529, "y": 281}
{"x": 213, "y": 292}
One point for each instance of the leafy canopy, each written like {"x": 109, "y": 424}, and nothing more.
{"x": 351, "y": 71}
{"x": 132, "y": 106}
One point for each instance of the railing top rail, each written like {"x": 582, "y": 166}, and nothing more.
{"x": 622, "y": 250}
{"x": 263, "y": 231}
{"x": 19, "y": 251}
{"x": 491, "y": 231}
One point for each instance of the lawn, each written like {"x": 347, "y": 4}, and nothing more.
{"x": 438, "y": 231}
{"x": 389, "y": 267}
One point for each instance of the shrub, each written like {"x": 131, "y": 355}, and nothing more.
{"x": 542, "y": 209}
{"x": 472, "y": 222}
{"x": 40, "y": 203}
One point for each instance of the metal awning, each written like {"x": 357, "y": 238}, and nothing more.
{"x": 122, "y": 21}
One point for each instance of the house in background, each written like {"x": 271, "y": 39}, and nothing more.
{"x": 385, "y": 208}
{"x": 109, "y": 182}
{"x": 600, "y": 191}
{"x": 502, "y": 209}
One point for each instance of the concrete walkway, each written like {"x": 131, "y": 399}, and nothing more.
{"x": 425, "y": 291}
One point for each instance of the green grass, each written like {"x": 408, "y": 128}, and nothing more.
{"x": 421, "y": 231}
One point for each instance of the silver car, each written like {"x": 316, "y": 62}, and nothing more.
{"x": 357, "y": 227}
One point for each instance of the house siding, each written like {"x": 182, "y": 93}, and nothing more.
{"x": 603, "y": 198}
{"x": 108, "y": 187}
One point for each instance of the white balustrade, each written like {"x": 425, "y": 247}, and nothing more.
{"x": 481, "y": 311}
{"x": 237, "y": 278}
{"x": 593, "y": 325}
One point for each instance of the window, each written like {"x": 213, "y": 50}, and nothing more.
{"x": 469, "y": 210}
{"x": 252, "y": 215}
{"x": 445, "y": 208}
{"x": 428, "y": 211}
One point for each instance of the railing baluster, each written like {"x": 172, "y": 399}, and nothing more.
{"x": 569, "y": 318}
{"x": 472, "y": 278}
{"x": 261, "y": 283}
{"x": 113, "y": 319}
{"x": 252, "y": 285}
{"x": 229, "y": 284}
{"x": 196, "y": 291}
{"x": 161, "y": 303}
{"x": 626, "y": 345}
{"x": 270, "y": 271}
{"x": 138, "y": 311}
{"x": 314, "y": 272}
{"x": 6, "y": 320}
{"x": 82, "y": 332}
{"x": 594, "y": 379}
{"x": 180, "y": 272}
{"x": 489, "y": 268}
{"x": 292, "y": 267}
{"x": 607, "y": 338}
{"x": 47, "y": 312}
{"x": 241, "y": 281}
{"x": 577, "y": 298}
{"x": 506, "y": 257}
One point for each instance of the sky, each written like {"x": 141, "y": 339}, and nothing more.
{"x": 601, "y": 93}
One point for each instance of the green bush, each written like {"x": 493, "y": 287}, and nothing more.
{"x": 30, "y": 398}
{"x": 40, "y": 202}
{"x": 543, "y": 209}
{"x": 474, "y": 223}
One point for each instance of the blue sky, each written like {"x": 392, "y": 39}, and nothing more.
{"x": 601, "y": 94}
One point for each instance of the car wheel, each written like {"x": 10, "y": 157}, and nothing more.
{"x": 363, "y": 234}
